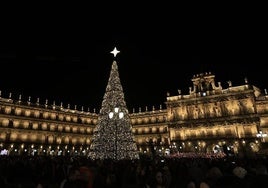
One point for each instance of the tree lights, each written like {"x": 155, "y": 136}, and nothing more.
{"x": 112, "y": 136}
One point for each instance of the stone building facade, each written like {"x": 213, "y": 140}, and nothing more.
{"x": 208, "y": 119}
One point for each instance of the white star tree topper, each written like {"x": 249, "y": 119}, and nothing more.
{"x": 114, "y": 52}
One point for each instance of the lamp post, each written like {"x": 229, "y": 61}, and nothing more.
{"x": 261, "y": 135}
{"x": 115, "y": 115}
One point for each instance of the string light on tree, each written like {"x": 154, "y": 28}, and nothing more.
{"x": 112, "y": 136}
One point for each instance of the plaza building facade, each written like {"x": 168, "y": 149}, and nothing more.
{"x": 208, "y": 119}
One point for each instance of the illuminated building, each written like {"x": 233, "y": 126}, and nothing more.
{"x": 207, "y": 119}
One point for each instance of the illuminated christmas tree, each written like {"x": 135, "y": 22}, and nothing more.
{"x": 113, "y": 137}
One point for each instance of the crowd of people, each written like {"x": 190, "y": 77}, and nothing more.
{"x": 158, "y": 172}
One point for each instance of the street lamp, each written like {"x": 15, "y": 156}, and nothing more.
{"x": 261, "y": 135}
{"x": 115, "y": 115}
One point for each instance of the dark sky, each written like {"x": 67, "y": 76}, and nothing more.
{"x": 65, "y": 57}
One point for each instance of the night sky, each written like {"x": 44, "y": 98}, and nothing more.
{"x": 67, "y": 58}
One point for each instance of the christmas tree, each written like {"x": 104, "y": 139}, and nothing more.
{"x": 112, "y": 136}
